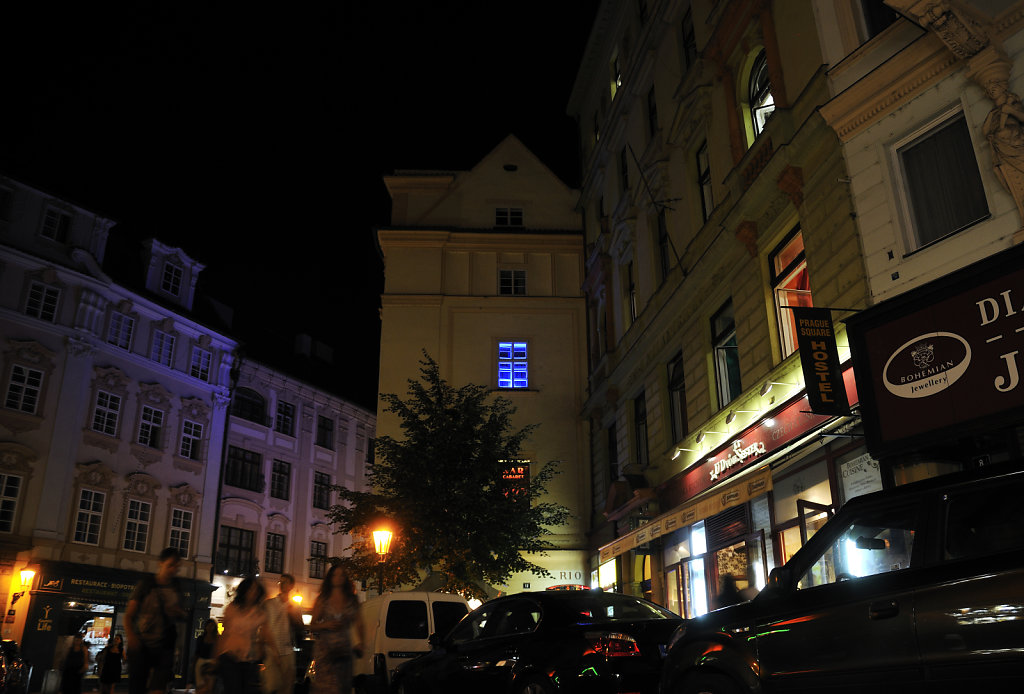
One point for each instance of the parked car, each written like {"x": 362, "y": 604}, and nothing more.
{"x": 398, "y": 626}
{"x": 545, "y": 642}
{"x": 14, "y": 672}
{"x": 917, "y": 588}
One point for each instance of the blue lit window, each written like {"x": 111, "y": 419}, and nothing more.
{"x": 512, "y": 369}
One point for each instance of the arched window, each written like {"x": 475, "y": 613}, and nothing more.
{"x": 762, "y": 104}
{"x": 248, "y": 404}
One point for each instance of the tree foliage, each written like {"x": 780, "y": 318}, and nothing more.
{"x": 442, "y": 489}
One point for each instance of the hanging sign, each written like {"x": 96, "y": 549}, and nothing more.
{"x": 819, "y": 358}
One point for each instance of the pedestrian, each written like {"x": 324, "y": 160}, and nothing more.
{"x": 240, "y": 647}
{"x": 335, "y": 613}
{"x": 283, "y": 623}
{"x": 109, "y": 661}
{"x": 76, "y": 662}
{"x": 149, "y": 626}
{"x": 206, "y": 665}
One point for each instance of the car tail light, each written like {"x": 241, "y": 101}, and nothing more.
{"x": 613, "y": 645}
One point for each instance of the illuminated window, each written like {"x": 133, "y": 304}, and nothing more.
{"x": 42, "y": 301}
{"x": 790, "y": 285}
{"x": 762, "y": 103}
{"x": 171, "y": 281}
{"x": 513, "y": 371}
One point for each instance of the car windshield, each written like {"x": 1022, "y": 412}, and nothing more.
{"x": 609, "y": 607}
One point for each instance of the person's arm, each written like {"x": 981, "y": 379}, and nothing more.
{"x": 131, "y": 638}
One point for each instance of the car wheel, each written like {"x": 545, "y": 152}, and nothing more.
{"x": 709, "y": 683}
{"x": 535, "y": 685}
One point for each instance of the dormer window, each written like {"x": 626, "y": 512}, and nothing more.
{"x": 56, "y": 226}
{"x": 171, "y": 282}
{"x": 508, "y": 216}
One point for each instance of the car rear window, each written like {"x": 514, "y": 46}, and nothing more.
{"x": 407, "y": 619}
{"x": 985, "y": 521}
{"x": 447, "y": 615}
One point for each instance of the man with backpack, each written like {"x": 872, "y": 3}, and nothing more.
{"x": 150, "y": 631}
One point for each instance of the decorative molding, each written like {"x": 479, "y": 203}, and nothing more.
{"x": 154, "y": 394}
{"x": 94, "y": 474}
{"x": 791, "y": 182}
{"x": 185, "y": 496}
{"x": 746, "y": 233}
{"x": 79, "y": 348}
{"x": 17, "y": 457}
{"x": 196, "y": 410}
{"x": 757, "y": 163}
{"x": 146, "y": 455}
{"x": 141, "y": 485}
{"x": 32, "y": 353}
{"x": 187, "y": 465}
{"x": 112, "y": 379}
{"x": 95, "y": 438}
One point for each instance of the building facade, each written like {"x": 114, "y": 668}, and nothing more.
{"x": 111, "y": 427}
{"x": 288, "y": 443}
{"x": 716, "y": 201}
{"x": 483, "y": 270}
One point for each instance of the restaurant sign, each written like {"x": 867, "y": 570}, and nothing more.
{"x": 945, "y": 358}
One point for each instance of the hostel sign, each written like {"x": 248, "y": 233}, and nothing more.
{"x": 819, "y": 359}
{"x": 945, "y": 359}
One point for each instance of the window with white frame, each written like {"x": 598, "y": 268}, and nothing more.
{"x": 181, "y": 530}
{"x": 942, "y": 185}
{"x": 284, "y": 422}
{"x": 760, "y": 99}
{"x": 106, "y": 413}
{"x": 42, "y": 301}
{"x": 790, "y": 285}
{"x": 120, "y": 331}
{"x": 89, "y": 518}
{"x": 24, "y": 389}
{"x": 56, "y": 226}
{"x": 191, "y": 439}
{"x": 512, "y": 282}
{"x": 508, "y": 216}
{"x": 317, "y": 559}
{"x": 513, "y": 365}
{"x": 200, "y": 364}
{"x": 171, "y": 280}
{"x": 163, "y": 347}
{"x": 136, "y": 527}
{"x": 151, "y": 424}
{"x": 726, "y": 354}
{"x": 10, "y": 488}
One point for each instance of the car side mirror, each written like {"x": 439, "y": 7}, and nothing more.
{"x": 779, "y": 582}
{"x": 434, "y": 640}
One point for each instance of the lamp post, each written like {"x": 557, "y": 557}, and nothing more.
{"x": 382, "y": 544}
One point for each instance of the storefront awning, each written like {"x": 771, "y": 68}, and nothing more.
{"x": 728, "y": 496}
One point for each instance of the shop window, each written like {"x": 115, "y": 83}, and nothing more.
{"x": 791, "y": 286}
{"x": 941, "y": 182}
{"x": 726, "y": 355}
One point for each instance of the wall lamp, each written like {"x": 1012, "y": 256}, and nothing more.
{"x": 679, "y": 451}
{"x": 702, "y": 435}
{"x": 732, "y": 415}
{"x": 768, "y": 386}
{"x": 27, "y": 575}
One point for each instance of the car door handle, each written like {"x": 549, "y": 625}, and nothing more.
{"x": 883, "y": 609}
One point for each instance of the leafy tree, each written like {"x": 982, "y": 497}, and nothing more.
{"x": 443, "y": 490}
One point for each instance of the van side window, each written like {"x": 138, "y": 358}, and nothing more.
{"x": 878, "y": 541}
{"x": 447, "y": 615}
{"x": 984, "y": 521}
{"x": 407, "y": 619}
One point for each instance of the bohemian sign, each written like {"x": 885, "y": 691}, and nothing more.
{"x": 819, "y": 359}
{"x": 945, "y": 359}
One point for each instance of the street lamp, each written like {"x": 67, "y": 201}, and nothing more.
{"x": 382, "y": 544}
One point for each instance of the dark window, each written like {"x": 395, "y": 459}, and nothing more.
{"x": 317, "y": 559}
{"x": 508, "y": 216}
{"x": 877, "y": 16}
{"x": 640, "y": 429}
{"x": 512, "y": 282}
{"x": 325, "y": 432}
{"x": 407, "y": 619}
{"x": 234, "y": 551}
{"x": 631, "y": 293}
{"x": 613, "y": 454}
{"x": 321, "y": 490}
{"x": 689, "y": 41}
{"x": 285, "y": 421}
{"x": 623, "y": 170}
{"x": 943, "y": 183}
{"x": 274, "y": 560}
{"x": 56, "y": 226}
{"x": 652, "y": 113}
{"x": 171, "y": 281}
{"x": 664, "y": 246}
{"x": 985, "y": 521}
{"x": 727, "y": 359}
{"x": 447, "y": 615}
{"x": 707, "y": 202}
{"x": 42, "y": 301}
{"x": 244, "y": 469}
{"x": 677, "y": 398}
{"x": 250, "y": 405}
{"x": 280, "y": 480}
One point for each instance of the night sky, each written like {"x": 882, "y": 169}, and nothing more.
{"x": 255, "y": 138}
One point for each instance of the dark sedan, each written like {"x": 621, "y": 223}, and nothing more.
{"x": 541, "y": 643}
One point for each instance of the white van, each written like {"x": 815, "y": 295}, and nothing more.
{"x": 397, "y": 627}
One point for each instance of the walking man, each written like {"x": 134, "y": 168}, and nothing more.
{"x": 283, "y": 623}
{"x": 149, "y": 627}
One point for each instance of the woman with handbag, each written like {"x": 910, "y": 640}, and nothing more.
{"x": 335, "y": 613}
